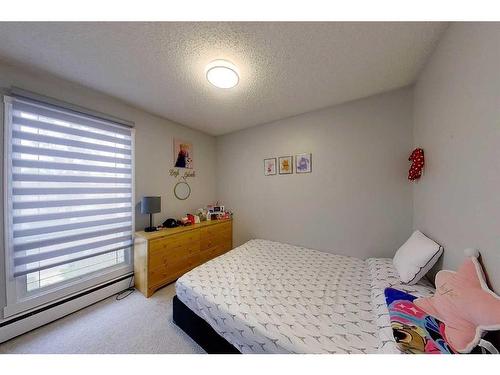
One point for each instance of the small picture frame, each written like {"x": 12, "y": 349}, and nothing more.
{"x": 285, "y": 165}
{"x": 270, "y": 167}
{"x": 303, "y": 163}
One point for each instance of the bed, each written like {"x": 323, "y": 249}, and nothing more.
{"x": 271, "y": 297}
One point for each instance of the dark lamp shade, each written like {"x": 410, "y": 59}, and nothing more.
{"x": 151, "y": 205}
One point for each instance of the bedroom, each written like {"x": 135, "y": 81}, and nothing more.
{"x": 249, "y": 187}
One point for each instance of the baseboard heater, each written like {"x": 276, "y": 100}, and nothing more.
{"x": 20, "y": 324}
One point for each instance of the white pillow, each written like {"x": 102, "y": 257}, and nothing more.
{"x": 416, "y": 257}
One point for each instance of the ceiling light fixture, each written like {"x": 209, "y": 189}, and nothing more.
{"x": 222, "y": 74}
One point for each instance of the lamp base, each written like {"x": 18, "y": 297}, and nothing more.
{"x": 150, "y": 229}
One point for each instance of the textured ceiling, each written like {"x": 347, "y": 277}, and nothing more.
{"x": 285, "y": 68}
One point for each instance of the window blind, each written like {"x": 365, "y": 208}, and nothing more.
{"x": 70, "y": 188}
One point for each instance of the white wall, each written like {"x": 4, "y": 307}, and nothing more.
{"x": 356, "y": 201}
{"x": 457, "y": 122}
{"x": 154, "y": 147}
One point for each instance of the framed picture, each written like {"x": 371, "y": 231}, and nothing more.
{"x": 303, "y": 163}
{"x": 183, "y": 154}
{"x": 285, "y": 165}
{"x": 269, "y": 167}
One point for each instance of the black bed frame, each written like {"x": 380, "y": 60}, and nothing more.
{"x": 200, "y": 331}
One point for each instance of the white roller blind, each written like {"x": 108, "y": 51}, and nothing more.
{"x": 69, "y": 189}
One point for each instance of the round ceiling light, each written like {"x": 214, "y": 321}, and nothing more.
{"x": 222, "y": 74}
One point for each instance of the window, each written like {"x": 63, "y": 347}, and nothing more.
{"x": 68, "y": 202}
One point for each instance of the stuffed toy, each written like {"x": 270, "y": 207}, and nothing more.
{"x": 417, "y": 165}
{"x": 464, "y": 303}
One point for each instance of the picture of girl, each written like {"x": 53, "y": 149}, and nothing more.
{"x": 183, "y": 154}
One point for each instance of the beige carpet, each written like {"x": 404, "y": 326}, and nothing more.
{"x": 133, "y": 325}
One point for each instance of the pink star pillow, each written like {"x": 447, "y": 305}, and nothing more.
{"x": 465, "y": 304}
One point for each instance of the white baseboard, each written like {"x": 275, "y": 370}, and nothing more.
{"x": 29, "y": 323}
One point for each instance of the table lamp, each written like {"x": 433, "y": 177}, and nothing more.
{"x": 150, "y": 205}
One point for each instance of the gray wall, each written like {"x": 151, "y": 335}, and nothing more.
{"x": 457, "y": 122}
{"x": 154, "y": 146}
{"x": 356, "y": 201}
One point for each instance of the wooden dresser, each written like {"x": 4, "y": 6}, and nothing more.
{"x": 163, "y": 256}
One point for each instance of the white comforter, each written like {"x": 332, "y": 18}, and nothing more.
{"x": 270, "y": 297}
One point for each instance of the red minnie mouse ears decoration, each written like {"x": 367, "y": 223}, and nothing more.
{"x": 417, "y": 165}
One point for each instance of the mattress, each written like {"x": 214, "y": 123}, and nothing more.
{"x": 271, "y": 297}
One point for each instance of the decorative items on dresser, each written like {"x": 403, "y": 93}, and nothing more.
{"x": 163, "y": 256}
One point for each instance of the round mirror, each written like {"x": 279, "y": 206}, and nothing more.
{"x": 182, "y": 190}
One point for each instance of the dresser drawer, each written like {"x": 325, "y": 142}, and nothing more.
{"x": 176, "y": 249}
{"x": 225, "y": 228}
{"x": 207, "y": 242}
{"x": 158, "y": 275}
{"x": 216, "y": 228}
{"x": 227, "y": 245}
{"x": 223, "y": 247}
{"x": 173, "y": 254}
{"x": 176, "y": 269}
{"x": 207, "y": 254}
{"x": 215, "y": 235}
{"x": 170, "y": 269}
{"x": 215, "y": 251}
{"x": 177, "y": 241}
